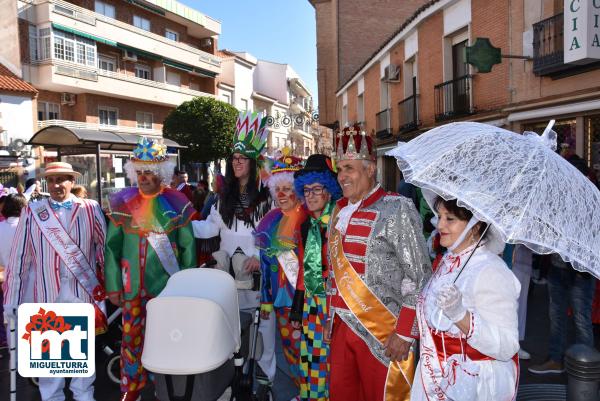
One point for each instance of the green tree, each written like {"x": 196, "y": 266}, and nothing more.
{"x": 205, "y": 125}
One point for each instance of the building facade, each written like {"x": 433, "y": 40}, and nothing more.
{"x": 277, "y": 91}
{"x": 347, "y": 33}
{"x": 419, "y": 77}
{"x": 17, "y": 109}
{"x": 110, "y": 65}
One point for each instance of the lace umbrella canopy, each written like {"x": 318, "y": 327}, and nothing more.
{"x": 518, "y": 183}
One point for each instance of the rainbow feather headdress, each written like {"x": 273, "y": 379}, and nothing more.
{"x": 250, "y": 134}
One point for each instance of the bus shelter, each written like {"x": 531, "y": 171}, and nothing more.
{"x": 83, "y": 147}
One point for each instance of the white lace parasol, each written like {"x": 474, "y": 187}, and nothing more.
{"x": 530, "y": 194}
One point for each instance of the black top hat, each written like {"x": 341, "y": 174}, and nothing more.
{"x": 316, "y": 163}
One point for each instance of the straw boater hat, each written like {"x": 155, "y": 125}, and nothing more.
{"x": 60, "y": 168}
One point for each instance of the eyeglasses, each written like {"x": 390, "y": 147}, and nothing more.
{"x": 315, "y": 191}
{"x": 239, "y": 159}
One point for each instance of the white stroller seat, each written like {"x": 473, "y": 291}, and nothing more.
{"x": 193, "y": 326}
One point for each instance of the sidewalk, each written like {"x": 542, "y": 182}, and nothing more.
{"x": 531, "y": 387}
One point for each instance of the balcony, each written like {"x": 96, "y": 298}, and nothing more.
{"x": 97, "y": 25}
{"x": 409, "y": 114}
{"x": 453, "y": 98}
{"x": 99, "y": 127}
{"x": 384, "y": 124}
{"x": 61, "y": 76}
{"x": 548, "y": 54}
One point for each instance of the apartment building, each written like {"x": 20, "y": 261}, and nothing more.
{"x": 277, "y": 91}
{"x": 109, "y": 66}
{"x": 419, "y": 76}
{"x": 347, "y": 33}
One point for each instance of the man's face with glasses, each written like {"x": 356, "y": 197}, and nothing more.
{"x": 148, "y": 182}
{"x": 316, "y": 196}
{"x": 241, "y": 165}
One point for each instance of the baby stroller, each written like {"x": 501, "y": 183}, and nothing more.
{"x": 193, "y": 341}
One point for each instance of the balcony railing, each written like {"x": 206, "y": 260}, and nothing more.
{"x": 548, "y": 46}
{"x": 384, "y": 124}
{"x": 79, "y": 71}
{"x": 409, "y": 113}
{"x": 99, "y": 127}
{"x": 453, "y": 98}
{"x": 90, "y": 17}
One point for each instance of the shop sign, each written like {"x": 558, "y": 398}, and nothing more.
{"x": 581, "y": 31}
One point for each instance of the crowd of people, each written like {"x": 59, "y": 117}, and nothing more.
{"x": 340, "y": 269}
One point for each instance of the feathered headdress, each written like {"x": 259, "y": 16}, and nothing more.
{"x": 250, "y": 134}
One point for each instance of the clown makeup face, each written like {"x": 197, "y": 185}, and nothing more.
{"x": 286, "y": 196}
{"x": 316, "y": 196}
{"x": 148, "y": 182}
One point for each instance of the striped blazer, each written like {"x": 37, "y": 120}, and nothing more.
{"x": 31, "y": 252}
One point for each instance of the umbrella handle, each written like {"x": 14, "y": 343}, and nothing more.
{"x": 471, "y": 254}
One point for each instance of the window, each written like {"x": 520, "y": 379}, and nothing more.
{"x": 48, "y": 111}
{"x": 143, "y": 71}
{"x": 105, "y": 9}
{"x": 194, "y": 86}
{"x": 144, "y": 120}
{"x": 141, "y": 22}
{"x": 45, "y": 41}
{"x": 33, "y": 43}
{"x": 345, "y": 115}
{"x": 226, "y": 98}
{"x": 173, "y": 78}
{"x": 73, "y": 48}
{"x": 108, "y": 115}
{"x": 459, "y": 60}
{"x": 360, "y": 109}
{"x": 107, "y": 63}
{"x": 172, "y": 35}
{"x": 244, "y": 103}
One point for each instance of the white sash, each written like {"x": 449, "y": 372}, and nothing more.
{"x": 289, "y": 262}
{"x": 162, "y": 246}
{"x": 71, "y": 255}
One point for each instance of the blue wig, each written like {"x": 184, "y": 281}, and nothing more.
{"x": 325, "y": 178}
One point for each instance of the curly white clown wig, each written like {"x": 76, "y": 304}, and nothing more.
{"x": 279, "y": 178}
{"x": 164, "y": 170}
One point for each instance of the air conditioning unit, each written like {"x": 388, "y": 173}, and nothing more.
{"x": 129, "y": 55}
{"x": 68, "y": 99}
{"x": 391, "y": 73}
{"x": 206, "y": 42}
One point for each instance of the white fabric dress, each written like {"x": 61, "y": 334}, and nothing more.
{"x": 490, "y": 291}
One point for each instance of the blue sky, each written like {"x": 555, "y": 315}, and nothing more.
{"x": 276, "y": 30}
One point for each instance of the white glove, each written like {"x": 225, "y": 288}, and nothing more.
{"x": 449, "y": 300}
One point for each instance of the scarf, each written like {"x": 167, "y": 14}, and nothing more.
{"x": 313, "y": 255}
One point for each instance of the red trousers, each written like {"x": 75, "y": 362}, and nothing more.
{"x": 356, "y": 375}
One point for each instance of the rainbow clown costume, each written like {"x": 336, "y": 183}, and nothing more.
{"x": 317, "y": 184}
{"x": 277, "y": 238}
{"x": 149, "y": 238}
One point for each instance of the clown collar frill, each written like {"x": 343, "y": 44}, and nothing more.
{"x": 140, "y": 214}
{"x": 276, "y": 232}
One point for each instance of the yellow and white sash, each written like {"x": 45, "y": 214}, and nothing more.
{"x": 289, "y": 262}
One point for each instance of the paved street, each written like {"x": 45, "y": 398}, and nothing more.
{"x": 536, "y": 343}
